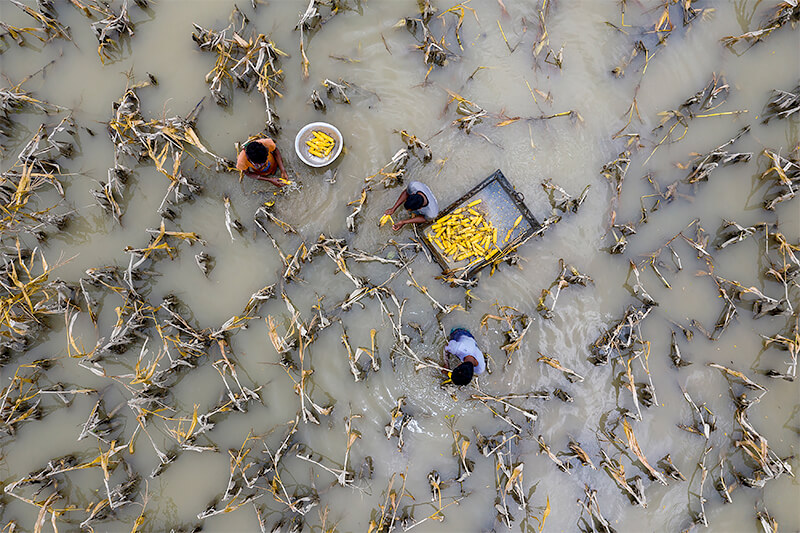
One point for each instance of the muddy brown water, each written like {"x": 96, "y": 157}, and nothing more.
{"x": 384, "y": 64}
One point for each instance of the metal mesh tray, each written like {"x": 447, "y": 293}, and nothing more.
{"x": 501, "y": 205}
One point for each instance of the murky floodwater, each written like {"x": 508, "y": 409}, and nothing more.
{"x": 380, "y": 59}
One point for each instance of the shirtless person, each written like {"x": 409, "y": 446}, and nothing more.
{"x": 259, "y": 159}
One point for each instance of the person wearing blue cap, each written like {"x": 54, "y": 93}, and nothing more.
{"x": 462, "y": 344}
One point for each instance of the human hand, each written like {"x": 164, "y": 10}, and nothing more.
{"x": 389, "y": 212}
{"x": 398, "y": 225}
{"x": 284, "y": 175}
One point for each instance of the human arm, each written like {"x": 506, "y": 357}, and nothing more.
{"x": 447, "y": 352}
{"x": 279, "y": 160}
{"x": 413, "y": 220}
{"x": 265, "y": 177}
{"x": 446, "y": 359}
{"x": 275, "y": 181}
{"x": 400, "y": 200}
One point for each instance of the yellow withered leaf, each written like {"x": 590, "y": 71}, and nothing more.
{"x": 517, "y": 473}
{"x": 545, "y": 514}
{"x": 241, "y": 42}
{"x": 508, "y": 121}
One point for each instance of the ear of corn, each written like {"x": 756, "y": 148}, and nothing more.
{"x": 385, "y": 219}
{"x": 465, "y": 234}
{"x": 320, "y": 144}
{"x": 516, "y": 223}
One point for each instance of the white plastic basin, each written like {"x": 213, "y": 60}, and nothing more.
{"x": 305, "y": 134}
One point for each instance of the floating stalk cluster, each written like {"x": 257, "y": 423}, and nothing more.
{"x": 787, "y": 12}
{"x": 243, "y": 63}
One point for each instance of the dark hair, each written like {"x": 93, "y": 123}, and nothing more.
{"x": 462, "y": 374}
{"x": 414, "y": 201}
{"x": 457, "y": 333}
{"x": 256, "y": 152}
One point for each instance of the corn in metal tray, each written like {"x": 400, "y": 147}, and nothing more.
{"x": 479, "y": 228}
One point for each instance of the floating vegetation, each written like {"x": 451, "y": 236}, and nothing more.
{"x": 247, "y": 63}
{"x": 567, "y": 276}
{"x": 435, "y": 53}
{"x": 134, "y": 136}
{"x": 317, "y": 13}
{"x": 565, "y": 201}
{"x": 783, "y": 104}
{"x": 110, "y": 29}
{"x": 784, "y": 176}
{"x": 704, "y": 165}
{"x": 28, "y": 298}
{"x": 51, "y": 28}
{"x": 785, "y": 12}
{"x": 571, "y": 376}
{"x": 14, "y": 100}
{"x": 337, "y": 91}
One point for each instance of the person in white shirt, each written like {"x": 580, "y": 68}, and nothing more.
{"x": 419, "y": 199}
{"x": 462, "y": 344}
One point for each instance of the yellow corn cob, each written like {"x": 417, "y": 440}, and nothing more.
{"x": 319, "y": 141}
{"x": 321, "y": 145}
{"x": 385, "y": 219}
{"x": 464, "y": 234}
{"x": 323, "y": 135}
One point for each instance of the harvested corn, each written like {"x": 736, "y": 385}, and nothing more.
{"x": 385, "y": 219}
{"x": 465, "y": 234}
{"x": 320, "y": 144}
{"x": 516, "y": 223}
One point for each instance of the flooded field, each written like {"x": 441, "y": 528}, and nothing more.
{"x": 187, "y": 348}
